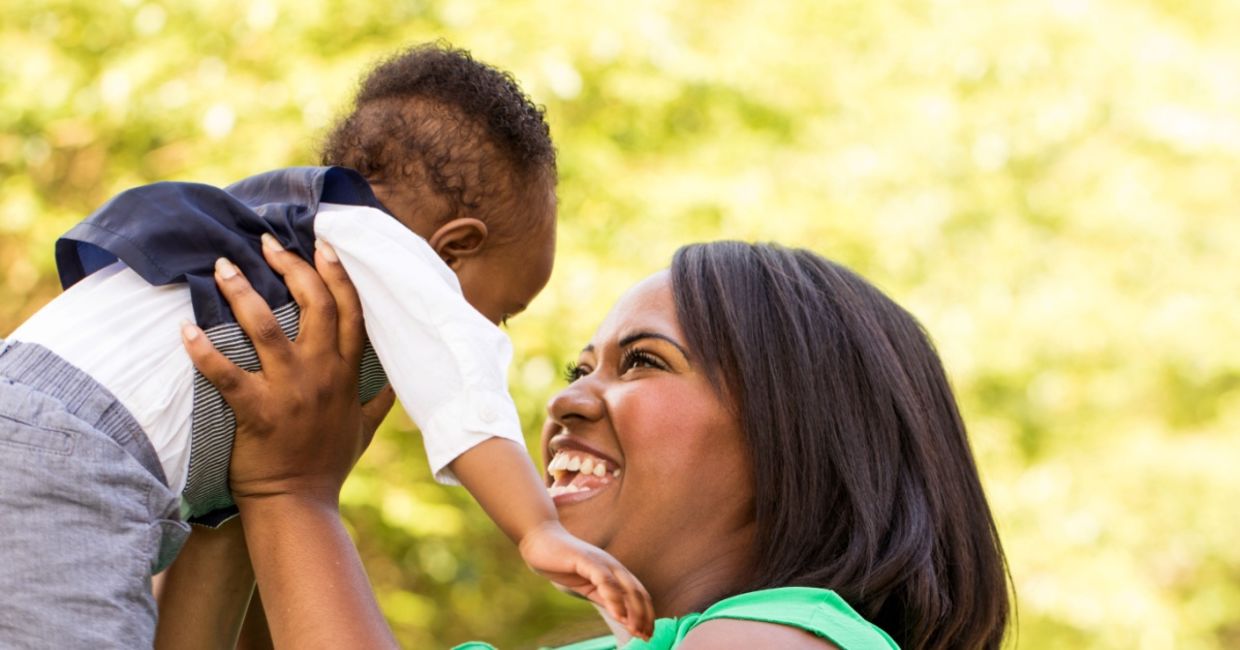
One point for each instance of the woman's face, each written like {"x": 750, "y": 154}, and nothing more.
{"x": 646, "y": 460}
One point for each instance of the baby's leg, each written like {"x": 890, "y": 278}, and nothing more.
{"x": 86, "y": 515}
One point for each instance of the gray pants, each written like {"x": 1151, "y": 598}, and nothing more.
{"x": 86, "y": 516}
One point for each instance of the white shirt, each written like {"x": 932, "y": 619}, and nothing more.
{"x": 447, "y": 363}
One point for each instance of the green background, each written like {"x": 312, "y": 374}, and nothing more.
{"x": 1050, "y": 185}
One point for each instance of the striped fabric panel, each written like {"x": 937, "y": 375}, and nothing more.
{"x": 213, "y": 423}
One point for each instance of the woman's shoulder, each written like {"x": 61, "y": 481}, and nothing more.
{"x": 785, "y": 617}
{"x": 797, "y": 610}
{"x": 735, "y": 634}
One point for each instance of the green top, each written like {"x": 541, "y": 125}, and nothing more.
{"x": 818, "y": 611}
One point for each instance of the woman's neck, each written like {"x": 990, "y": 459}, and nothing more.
{"x": 706, "y": 567}
{"x": 702, "y": 587}
{"x": 694, "y": 593}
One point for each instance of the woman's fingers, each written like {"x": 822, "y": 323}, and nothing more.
{"x": 351, "y": 327}
{"x": 225, "y": 375}
{"x": 253, "y": 313}
{"x": 374, "y": 411}
{"x": 318, "y": 308}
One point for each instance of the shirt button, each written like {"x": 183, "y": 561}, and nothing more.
{"x": 488, "y": 415}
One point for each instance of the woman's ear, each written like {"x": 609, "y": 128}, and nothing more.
{"x": 458, "y": 239}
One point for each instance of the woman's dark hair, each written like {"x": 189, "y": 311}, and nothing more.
{"x": 863, "y": 477}
{"x": 435, "y": 116}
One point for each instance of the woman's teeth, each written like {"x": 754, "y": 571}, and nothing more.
{"x": 578, "y": 472}
{"x": 557, "y": 490}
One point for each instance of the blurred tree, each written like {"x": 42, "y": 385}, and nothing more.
{"x": 1048, "y": 185}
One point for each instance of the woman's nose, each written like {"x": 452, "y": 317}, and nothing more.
{"x": 580, "y": 400}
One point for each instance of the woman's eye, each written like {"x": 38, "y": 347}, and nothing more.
{"x": 637, "y": 358}
{"x": 574, "y": 371}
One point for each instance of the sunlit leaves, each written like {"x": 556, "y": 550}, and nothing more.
{"x": 1049, "y": 185}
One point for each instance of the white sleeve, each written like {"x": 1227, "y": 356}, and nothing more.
{"x": 447, "y": 363}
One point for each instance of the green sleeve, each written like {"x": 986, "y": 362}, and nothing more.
{"x": 818, "y": 611}
{"x": 600, "y": 643}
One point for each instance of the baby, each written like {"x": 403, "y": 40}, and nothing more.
{"x": 438, "y": 198}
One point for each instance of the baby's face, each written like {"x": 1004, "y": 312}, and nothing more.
{"x": 501, "y": 282}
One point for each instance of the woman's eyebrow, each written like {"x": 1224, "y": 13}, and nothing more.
{"x": 637, "y": 336}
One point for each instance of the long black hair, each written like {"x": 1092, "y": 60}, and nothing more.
{"x": 864, "y": 480}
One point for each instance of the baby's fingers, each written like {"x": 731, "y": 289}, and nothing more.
{"x": 624, "y": 597}
{"x": 637, "y": 601}
{"x": 607, "y": 592}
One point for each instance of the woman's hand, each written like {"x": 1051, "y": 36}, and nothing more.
{"x": 300, "y": 427}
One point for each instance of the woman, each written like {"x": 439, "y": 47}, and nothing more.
{"x": 770, "y": 425}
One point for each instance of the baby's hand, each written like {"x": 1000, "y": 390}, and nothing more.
{"x": 587, "y": 570}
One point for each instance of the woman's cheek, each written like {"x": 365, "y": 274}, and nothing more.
{"x": 674, "y": 436}
{"x": 653, "y": 409}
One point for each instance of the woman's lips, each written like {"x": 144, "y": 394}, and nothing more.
{"x": 578, "y": 475}
{"x": 561, "y": 498}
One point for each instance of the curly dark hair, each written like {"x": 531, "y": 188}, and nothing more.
{"x": 434, "y": 118}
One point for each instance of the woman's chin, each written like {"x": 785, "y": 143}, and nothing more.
{"x": 584, "y": 513}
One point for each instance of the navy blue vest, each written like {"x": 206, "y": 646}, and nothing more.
{"x": 173, "y": 232}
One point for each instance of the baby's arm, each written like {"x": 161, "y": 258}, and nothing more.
{"x": 448, "y": 365}
{"x": 501, "y": 476}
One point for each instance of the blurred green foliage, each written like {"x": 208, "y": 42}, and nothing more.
{"x": 1050, "y": 185}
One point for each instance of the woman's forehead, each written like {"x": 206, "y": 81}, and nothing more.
{"x": 648, "y": 305}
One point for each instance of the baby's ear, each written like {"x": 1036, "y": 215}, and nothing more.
{"x": 458, "y": 239}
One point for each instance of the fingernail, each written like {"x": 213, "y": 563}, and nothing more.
{"x": 189, "y": 330}
{"x": 326, "y": 249}
{"x": 225, "y": 268}
{"x": 271, "y": 243}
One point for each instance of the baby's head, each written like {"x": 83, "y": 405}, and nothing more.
{"x": 459, "y": 154}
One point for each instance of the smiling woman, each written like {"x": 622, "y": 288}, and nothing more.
{"x": 777, "y": 422}
{"x": 682, "y": 509}
{"x": 765, "y": 440}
